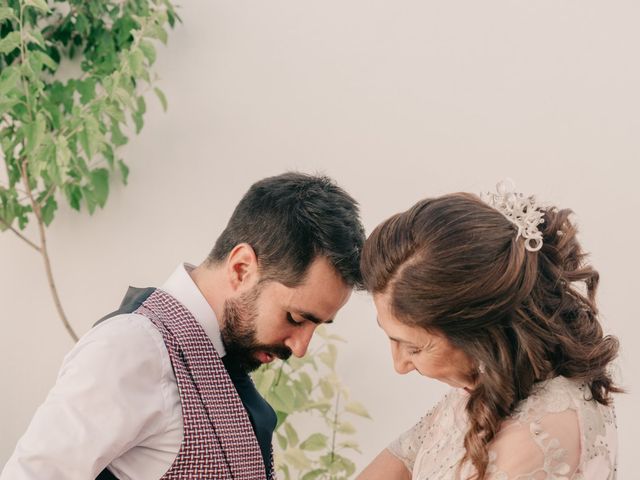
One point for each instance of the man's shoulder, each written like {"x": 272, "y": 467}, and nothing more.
{"x": 124, "y": 336}
{"x": 130, "y": 325}
{"x": 132, "y": 300}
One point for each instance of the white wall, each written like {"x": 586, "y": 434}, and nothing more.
{"x": 397, "y": 101}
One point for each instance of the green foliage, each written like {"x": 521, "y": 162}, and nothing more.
{"x": 61, "y": 134}
{"x": 309, "y": 387}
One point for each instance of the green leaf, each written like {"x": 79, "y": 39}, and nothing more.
{"x": 137, "y": 115}
{"x": 315, "y": 442}
{"x": 86, "y": 89}
{"x": 9, "y": 78}
{"x": 351, "y": 445}
{"x": 115, "y": 113}
{"x": 136, "y": 62}
{"x": 327, "y": 388}
{"x": 83, "y": 137}
{"x": 296, "y": 458}
{"x": 124, "y": 97}
{"x": 48, "y": 210}
{"x": 9, "y": 43}
{"x": 283, "y": 469}
{"x": 34, "y": 36}
{"x": 142, "y": 105}
{"x": 52, "y": 173}
{"x": 53, "y": 114}
{"x": 117, "y": 137}
{"x": 321, "y": 331}
{"x": 282, "y": 440}
{"x": 124, "y": 171}
{"x": 282, "y": 417}
{"x": 100, "y": 184}
{"x": 45, "y": 59}
{"x": 108, "y": 154}
{"x": 339, "y": 464}
{"x": 329, "y": 357}
{"x": 74, "y": 195}
{"x": 292, "y": 435}
{"x": 39, "y": 4}
{"x": 90, "y": 136}
{"x": 322, "y": 407}
{"x": 306, "y": 381}
{"x": 156, "y": 31}
{"x": 357, "y": 409}
{"x": 346, "y": 427}
{"x": 263, "y": 377}
{"x": 7, "y": 105}
{"x": 281, "y": 397}
{"x": 338, "y": 338}
{"x": 7, "y": 13}
{"x": 89, "y": 198}
{"x": 314, "y": 474}
{"x": 162, "y": 98}
{"x": 82, "y": 24}
{"x": 149, "y": 51}
{"x": 34, "y": 133}
{"x": 63, "y": 154}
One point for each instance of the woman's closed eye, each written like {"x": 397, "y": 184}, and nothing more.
{"x": 414, "y": 349}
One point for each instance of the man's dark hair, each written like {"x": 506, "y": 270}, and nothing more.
{"x": 291, "y": 219}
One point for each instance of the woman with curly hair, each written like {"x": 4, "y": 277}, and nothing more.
{"x": 493, "y": 296}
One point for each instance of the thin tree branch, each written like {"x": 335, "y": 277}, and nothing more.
{"x": 22, "y": 237}
{"x": 45, "y": 254}
{"x": 335, "y": 428}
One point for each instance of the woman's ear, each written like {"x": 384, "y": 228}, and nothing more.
{"x": 242, "y": 267}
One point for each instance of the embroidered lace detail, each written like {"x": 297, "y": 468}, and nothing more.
{"x": 557, "y": 433}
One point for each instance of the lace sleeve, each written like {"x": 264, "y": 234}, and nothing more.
{"x": 408, "y": 444}
{"x": 544, "y": 448}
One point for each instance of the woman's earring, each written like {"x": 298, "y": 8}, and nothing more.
{"x": 481, "y": 367}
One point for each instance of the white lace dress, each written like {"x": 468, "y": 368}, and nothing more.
{"x": 555, "y": 434}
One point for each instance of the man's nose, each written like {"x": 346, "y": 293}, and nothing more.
{"x": 299, "y": 340}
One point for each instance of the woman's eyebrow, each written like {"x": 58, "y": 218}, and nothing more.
{"x": 399, "y": 340}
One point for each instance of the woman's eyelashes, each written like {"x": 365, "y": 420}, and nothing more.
{"x": 414, "y": 350}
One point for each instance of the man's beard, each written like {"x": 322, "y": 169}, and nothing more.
{"x": 239, "y": 332}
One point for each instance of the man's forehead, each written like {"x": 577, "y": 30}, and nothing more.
{"x": 321, "y": 302}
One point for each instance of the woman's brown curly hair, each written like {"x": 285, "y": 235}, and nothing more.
{"x": 454, "y": 265}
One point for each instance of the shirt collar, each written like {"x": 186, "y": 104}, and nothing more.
{"x": 181, "y": 286}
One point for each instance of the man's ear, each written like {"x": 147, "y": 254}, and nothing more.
{"x": 242, "y": 267}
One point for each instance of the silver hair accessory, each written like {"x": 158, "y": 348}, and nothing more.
{"x": 481, "y": 367}
{"x": 522, "y": 211}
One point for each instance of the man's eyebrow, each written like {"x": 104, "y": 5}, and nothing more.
{"x": 312, "y": 318}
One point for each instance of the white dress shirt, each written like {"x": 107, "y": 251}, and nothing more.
{"x": 115, "y": 401}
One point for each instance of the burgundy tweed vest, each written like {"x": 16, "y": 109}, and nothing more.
{"x": 219, "y": 441}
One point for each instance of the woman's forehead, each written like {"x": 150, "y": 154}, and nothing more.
{"x": 403, "y": 333}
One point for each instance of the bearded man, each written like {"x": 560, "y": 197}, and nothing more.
{"x": 160, "y": 388}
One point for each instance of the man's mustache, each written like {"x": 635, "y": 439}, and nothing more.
{"x": 279, "y": 351}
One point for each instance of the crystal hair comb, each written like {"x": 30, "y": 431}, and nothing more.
{"x": 522, "y": 211}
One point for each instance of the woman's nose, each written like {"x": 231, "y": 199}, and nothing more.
{"x": 401, "y": 364}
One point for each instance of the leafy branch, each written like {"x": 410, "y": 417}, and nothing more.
{"x": 60, "y": 138}
{"x": 309, "y": 388}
